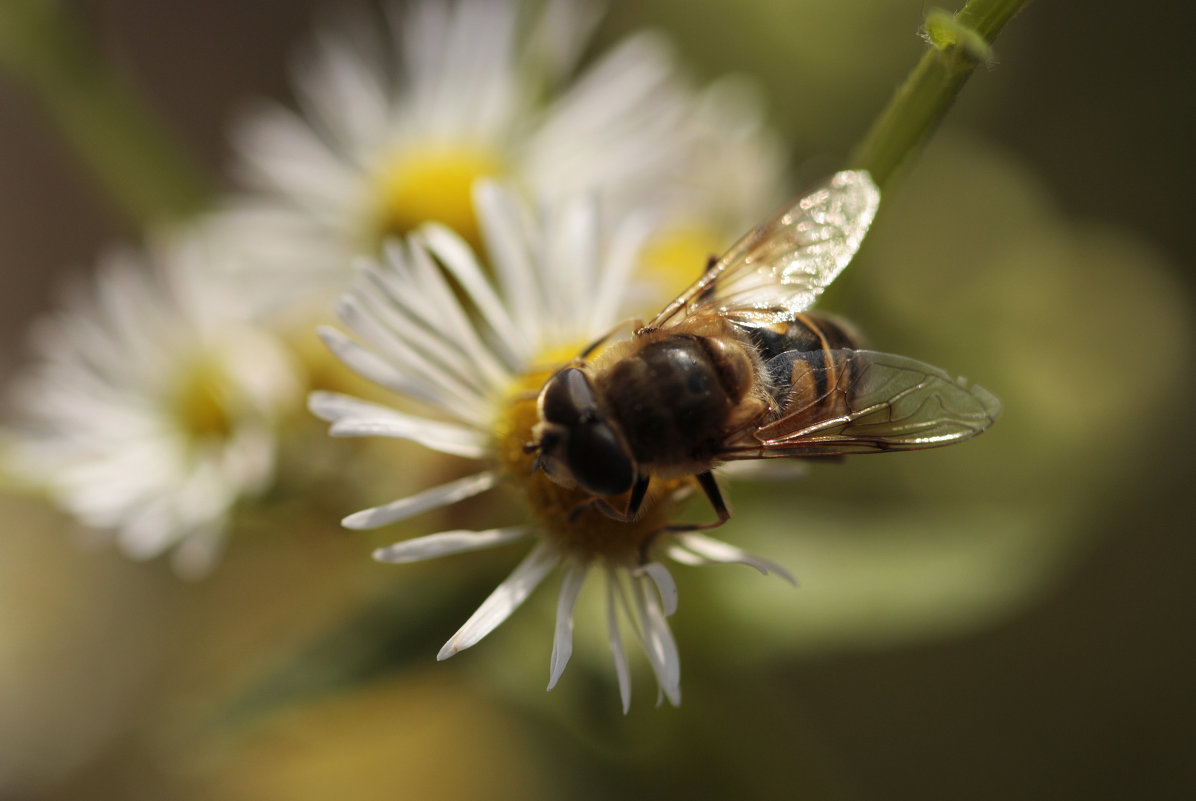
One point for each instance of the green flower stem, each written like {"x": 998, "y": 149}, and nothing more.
{"x": 99, "y": 113}
{"x": 957, "y": 44}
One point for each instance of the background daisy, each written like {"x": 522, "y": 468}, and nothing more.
{"x": 152, "y": 405}
{"x": 395, "y": 122}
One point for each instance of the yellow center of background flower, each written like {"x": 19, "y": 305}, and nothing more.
{"x": 432, "y": 183}
{"x": 200, "y": 399}
{"x": 590, "y": 533}
{"x": 674, "y": 258}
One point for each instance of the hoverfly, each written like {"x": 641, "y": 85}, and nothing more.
{"x": 736, "y": 368}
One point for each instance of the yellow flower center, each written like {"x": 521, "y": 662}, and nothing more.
{"x": 200, "y": 401}
{"x": 673, "y": 259}
{"x": 432, "y": 182}
{"x": 588, "y": 533}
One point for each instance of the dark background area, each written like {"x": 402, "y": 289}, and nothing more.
{"x": 1086, "y": 692}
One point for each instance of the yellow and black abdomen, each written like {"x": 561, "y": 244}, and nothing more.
{"x": 806, "y": 364}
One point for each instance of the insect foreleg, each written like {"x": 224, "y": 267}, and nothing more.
{"x": 635, "y": 504}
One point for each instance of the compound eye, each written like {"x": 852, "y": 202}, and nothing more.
{"x": 568, "y": 398}
{"x": 550, "y": 454}
{"x": 599, "y": 461}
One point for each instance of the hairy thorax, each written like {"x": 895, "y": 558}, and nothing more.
{"x": 676, "y": 394}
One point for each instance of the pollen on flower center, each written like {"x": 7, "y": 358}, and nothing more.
{"x": 200, "y": 400}
{"x": 589, "y": 533}
{"x": 432, "y": 182}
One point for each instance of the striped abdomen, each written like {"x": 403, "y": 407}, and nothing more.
{"x": 804, "y": 365}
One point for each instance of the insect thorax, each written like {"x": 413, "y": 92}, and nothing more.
{"x": 672, "y": 396}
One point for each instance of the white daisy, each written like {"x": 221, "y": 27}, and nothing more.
{"x": 735, "y": 175}
{"x": 475, "y": 350}
{"x": 151, "y": 408}
{"x": 396, "y": 122}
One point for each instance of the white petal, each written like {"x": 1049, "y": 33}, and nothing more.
{"x": 664, "y": 584}
{"x": 449, "y": 542}
{"x": 505, "y": 599}
{"x": 765, "y": 470}
{"x": 421, "y": 270}
{"x": 571, "y": 238}
{"x": 510, "y": 243}
{"x": 334, "y": 406}
{"x": 450, "y": 439}
{"x": 444, "y": 495}
{"x": 658, "y": 641}
{"x": 611, "y": 287}
{"x": 416, "y": 287}
{"x": 562, "y": 638}
{"x": 459, "y": 260}
{"x": 713, "y": 550}
{"x": 408, "y": 364}
{"x": 421, "y": 331}
{"x": 373, "y": 367}
{"x": 622, "y": 670}
{"x": 351, "y": 417}
{"x": 684, "y": 557}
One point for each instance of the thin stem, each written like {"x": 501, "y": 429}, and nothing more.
{"x": 112, "y": 130}
{"x": 957, "y": 44}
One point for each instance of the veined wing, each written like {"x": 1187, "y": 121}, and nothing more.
{"x": 781, "y": 267}
{"x": 860, "y": 401}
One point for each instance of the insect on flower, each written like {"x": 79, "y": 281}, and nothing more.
{"x": 603, "y": 450}
{"x": 736, "y": 368}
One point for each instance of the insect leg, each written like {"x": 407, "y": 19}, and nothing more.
{"x": 714, "y": 495}
{"x": 635, "y": 504}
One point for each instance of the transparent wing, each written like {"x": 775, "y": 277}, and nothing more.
{"x": 781, "y": 267}
{"x": 868, "y": 402}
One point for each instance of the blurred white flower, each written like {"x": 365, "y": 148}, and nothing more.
{"x": 477, "y": 357}
{"x": 396, "y": 122}
{"x": 151, "y": 406}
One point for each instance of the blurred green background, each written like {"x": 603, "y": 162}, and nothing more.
{"x": 1009, "y": 618}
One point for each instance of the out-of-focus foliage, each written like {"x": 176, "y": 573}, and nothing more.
{"x": 945, "y": 540}
{"x": 421, "y": 735}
